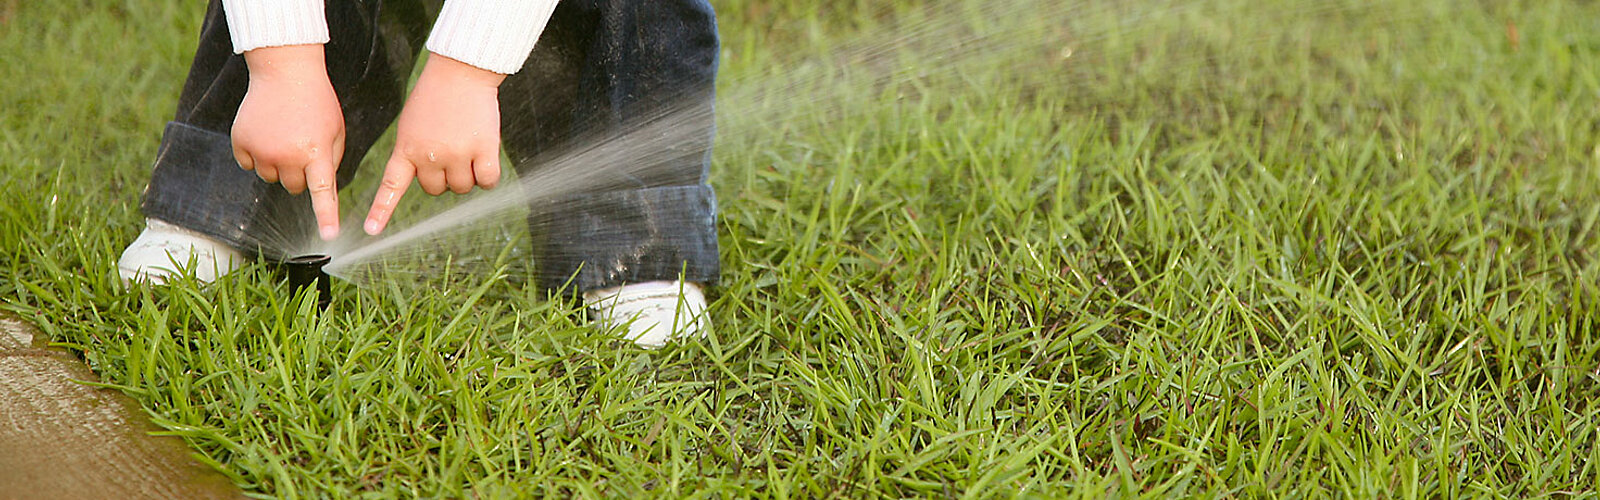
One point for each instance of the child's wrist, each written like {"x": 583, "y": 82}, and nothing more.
{"x": 287, "y": 62}
{"x": 447, "y": 70}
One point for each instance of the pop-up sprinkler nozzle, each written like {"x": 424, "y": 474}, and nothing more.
{"x": 305, "y": 272}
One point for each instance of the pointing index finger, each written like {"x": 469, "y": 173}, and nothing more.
{"x": 324, "y": 199}
{"x": 397, "y": 177}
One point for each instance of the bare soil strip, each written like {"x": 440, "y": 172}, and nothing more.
{"x": 61, "y": 438}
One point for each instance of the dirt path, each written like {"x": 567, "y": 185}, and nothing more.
{"x": 63, "y": 439}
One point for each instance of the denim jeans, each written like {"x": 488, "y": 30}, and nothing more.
{"x": 599, "y": 66}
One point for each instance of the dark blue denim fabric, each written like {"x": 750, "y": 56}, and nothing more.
{"x": 600, "y": 66}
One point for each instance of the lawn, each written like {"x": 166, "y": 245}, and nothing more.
{"x": 971, "y": 249}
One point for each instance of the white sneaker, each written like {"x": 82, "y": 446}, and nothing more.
{"x": 164, "y": 251}
{"x": 652, "y": 313}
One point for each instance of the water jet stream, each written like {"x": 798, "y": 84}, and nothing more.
{"x": 940, "y": 52}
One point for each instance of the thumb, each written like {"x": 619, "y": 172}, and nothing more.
{"x": 321, "y": 181}
{"x": 397, "y": 177}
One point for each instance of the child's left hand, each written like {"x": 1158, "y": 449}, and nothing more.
{"x": 448, "y": 136}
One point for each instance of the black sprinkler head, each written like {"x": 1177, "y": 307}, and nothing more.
{"x": 305, "y": 272}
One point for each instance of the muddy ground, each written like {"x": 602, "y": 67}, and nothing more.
{"x": 61, "y": 438}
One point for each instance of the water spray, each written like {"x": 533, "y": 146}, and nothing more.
{"x": 305, "y": 273}
{"x": 932, "y": 60}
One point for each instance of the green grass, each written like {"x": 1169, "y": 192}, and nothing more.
{"x": 1209, "y": 247}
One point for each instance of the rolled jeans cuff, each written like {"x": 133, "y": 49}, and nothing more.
{"x": 197, "y": 184}
{"x": 602, "y": 240}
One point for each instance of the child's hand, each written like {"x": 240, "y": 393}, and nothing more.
{"x": 448, "y": 136}
{"x": 290, "y": 129}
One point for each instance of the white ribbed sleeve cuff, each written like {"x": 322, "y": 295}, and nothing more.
{"x": 270, "y": 23}
{"x": 496, "y": 35}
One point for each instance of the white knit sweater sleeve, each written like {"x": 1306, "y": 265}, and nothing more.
{"x": 496, "y": 35}
{"x": 270, "y": 23}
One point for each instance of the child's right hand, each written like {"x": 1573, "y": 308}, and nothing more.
{"x": 290, "y": 129}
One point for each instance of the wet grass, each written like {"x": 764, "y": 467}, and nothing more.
{"x": 1217, "y": 248}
